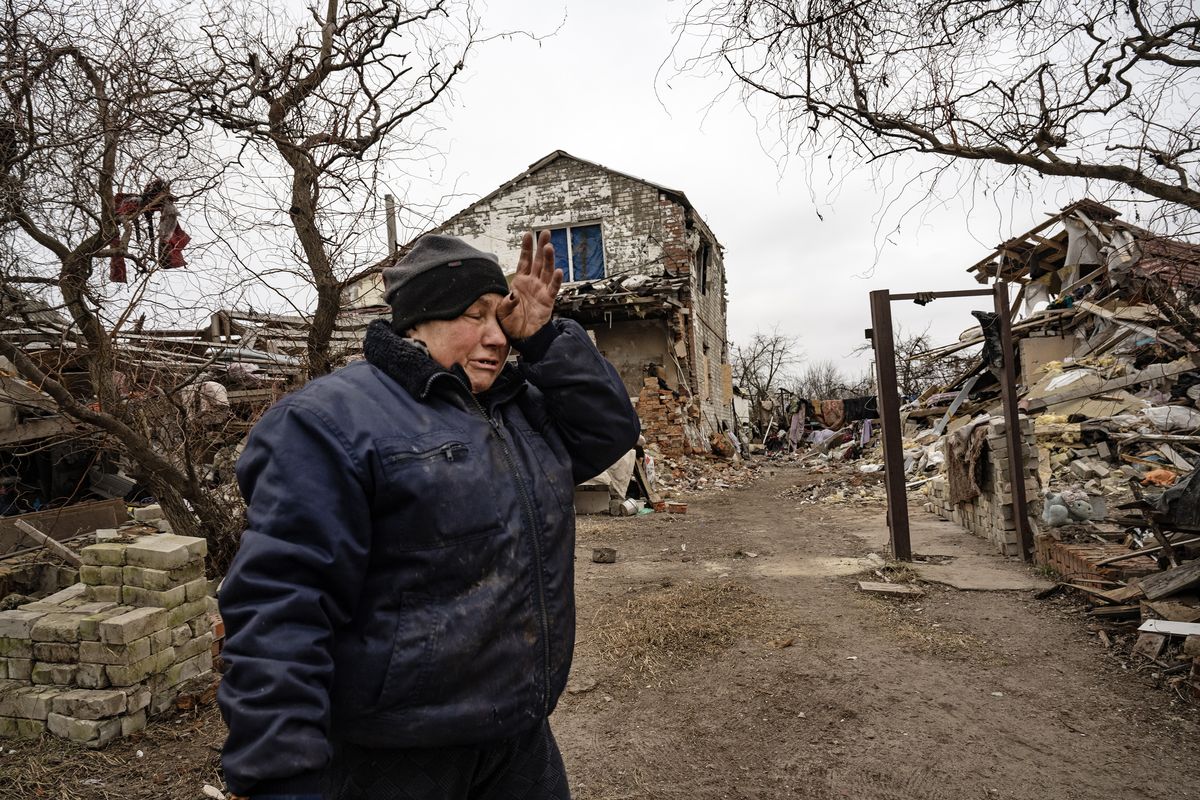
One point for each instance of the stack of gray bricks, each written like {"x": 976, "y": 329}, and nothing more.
{"x": 990, "y": 514}
{"x": 93, "y": 661}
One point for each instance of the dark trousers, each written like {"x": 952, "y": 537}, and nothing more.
{"x": 525, "y": 767}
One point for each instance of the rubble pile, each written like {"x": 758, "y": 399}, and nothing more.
{"x": 840, "y": 487}
{"x": 663, "y": 417}
{"x": 682, "y": 474}
{"x": 91, "y": 662}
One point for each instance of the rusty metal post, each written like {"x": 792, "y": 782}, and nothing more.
{"x": 889, "y": 417}
{"x": 1012, "y": 426}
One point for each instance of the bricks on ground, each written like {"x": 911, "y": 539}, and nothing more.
{"x": 93, "y": 662}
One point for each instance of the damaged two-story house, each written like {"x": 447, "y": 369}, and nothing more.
{"x": 644, "y": 275}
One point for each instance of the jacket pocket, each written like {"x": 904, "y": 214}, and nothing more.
{"x": 419, "y": 628}
{"x": 439, "y": 487}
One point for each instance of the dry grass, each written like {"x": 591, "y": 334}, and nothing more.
{"x": 906, "y": 626}
{"x": 663, "y": 631}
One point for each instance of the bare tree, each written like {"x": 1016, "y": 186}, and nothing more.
{"x": 328, "y": 98}
{"x": 761, "y": 366}
{"x": 1096, "y": 91}
{"x": 916, "y": 371}
{"x": 96, "y": 128}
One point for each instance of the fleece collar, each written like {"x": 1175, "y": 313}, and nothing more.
{"x": 407, "y": 361}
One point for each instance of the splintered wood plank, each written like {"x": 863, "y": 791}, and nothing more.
{"x": 1162, "y": 584}
{"x": 897, "y": 589}
{"x": 1176, "y": 612}
{"x": 1149, "y": 645}
{"x": 1116, "y": 611}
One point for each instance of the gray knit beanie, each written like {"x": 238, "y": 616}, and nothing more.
{"x": 439, "y": 278}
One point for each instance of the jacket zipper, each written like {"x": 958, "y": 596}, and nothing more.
{"x": 450, "y": 451}
{"x": 531, "y": 522}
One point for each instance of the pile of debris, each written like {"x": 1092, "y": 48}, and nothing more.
{"x": 1155, "y": 617}
{"x": 1108, "y": 373}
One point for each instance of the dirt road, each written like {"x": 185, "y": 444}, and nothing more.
{"x": 728, "y": 654}
{"x": 953, "y": 695}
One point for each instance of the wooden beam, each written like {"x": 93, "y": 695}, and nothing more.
{"x": 61, "y": 550}
{"x": 1162, "y": 584}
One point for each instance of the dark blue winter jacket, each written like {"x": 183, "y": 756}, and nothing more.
{"x": 406, "y": 576}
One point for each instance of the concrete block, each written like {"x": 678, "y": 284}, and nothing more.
{"x": 134, "y": 722}
{"x": 181, "y": 636}
{"x": 200, "y": 625}
{"x": 89, "y": 626}
{"x": 108, "y": 535}
{"x": 165, "y": 551}
{"x": 161, "y": 640}
{"x": 105, "y": 554}
{"x": 196, "y": 589}
{"x": 108, "y": 594}
{"x": 133, "y": 596}
{"x": 186, "y": 670}
{"x": 45, "y": 673}
{"x": 92, "y": 676}
{"x": 17, "y": 624}
{"x": 136, "y": 698}
{"x": 27, "y": 702}
{"x": 130, "y": 674}
{"x": 90, "y": 574}
{"x": 148, "y": 513}
{"x": 160, "y": 580}
{"x": 201, "y": 644}
{"x": 93, "y": 608}
{"x": 30, "y": 728}
{"x": 116, "y": 654}
{"x": 187, "y": 612}
{"x": 89, "y": 704}
{"x": 62, "y": 627}
{"x": 163, "y": 701}
{"x": 72, "y": 592}
{"x": 127, "y": 627}
{"x": 112, "y": 576}
{"x": 19, "y": 669}
{"x": 88, "y": 732}
{"x": 59, "y": 652}
{"x": 16, "y": 648}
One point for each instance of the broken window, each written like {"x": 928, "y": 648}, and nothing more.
{"x": 702, "y": 260}
{"x": 578, "y": 251}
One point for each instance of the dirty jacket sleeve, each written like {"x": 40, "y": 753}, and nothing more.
{"x": 585, "y": 398}
{"x": 291, "y": 584}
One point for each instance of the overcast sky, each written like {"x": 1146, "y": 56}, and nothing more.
{"x": 604, "y": 98}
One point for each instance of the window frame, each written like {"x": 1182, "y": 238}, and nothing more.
{"x": 570, "y": 258}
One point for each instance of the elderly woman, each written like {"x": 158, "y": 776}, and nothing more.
{"x": 400, "y": 615}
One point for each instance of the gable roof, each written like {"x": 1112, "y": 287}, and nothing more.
{"x": 542, "y": 163}
{"x": 675, "y": 194}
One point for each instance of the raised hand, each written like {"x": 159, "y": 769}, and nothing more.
{"x": 530, "y": 303}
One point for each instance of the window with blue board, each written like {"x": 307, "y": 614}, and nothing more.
{"x": 578, "y": 252}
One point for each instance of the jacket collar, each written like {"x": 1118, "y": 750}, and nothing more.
{"x": 408, "y": 362}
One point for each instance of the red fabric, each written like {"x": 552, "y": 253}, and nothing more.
{"x": 128, "y": 205}
{"x": 172, "y": 257}
{"x": 116, "y": 263}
